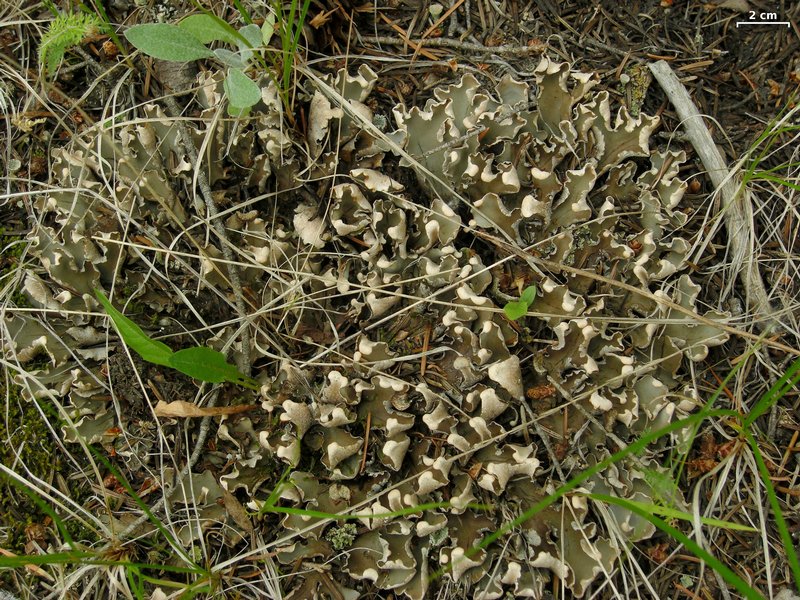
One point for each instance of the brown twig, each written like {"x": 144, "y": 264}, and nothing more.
{"x": 443, "y": 18}
{"x": 734, "y": 196}
{"x": 509, "y": 50}
{"x": 416, "y": 46}
{"x": 423, "y": 363}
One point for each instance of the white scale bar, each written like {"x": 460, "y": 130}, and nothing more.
{"x": 787, "y": 23}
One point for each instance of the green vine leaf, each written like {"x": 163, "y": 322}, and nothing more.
{"x": 167, "y": 42}
{"x": 206, "y": 364}
{"x": 149, "y": 349}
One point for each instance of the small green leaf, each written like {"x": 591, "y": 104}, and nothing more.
{"x": 149, "y": 349}
{"x": 167, "y": 42}
{"x": 207, "y": 29}
{"x": 528, "y": 296}
{"x": 268, "y": 28}
{"x": 206, "y": 364}
{"x": 242, "y": 91}
{"x": 515, "y": 310}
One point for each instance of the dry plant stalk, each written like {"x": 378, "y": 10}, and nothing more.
{"x": 727, "y": 184}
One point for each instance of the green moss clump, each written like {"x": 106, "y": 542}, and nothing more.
{"x": 12, "y": 248}
{"x": 25, "y": 439}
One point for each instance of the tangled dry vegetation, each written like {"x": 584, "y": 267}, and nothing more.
{"x": 374, "y": 254}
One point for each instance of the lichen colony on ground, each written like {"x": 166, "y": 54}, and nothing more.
{"x": 354, "y": 275}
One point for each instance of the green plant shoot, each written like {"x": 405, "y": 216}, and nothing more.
{"x": 188, "y": 41}
{"x": 63, "y": 33}
{"x": 205, "y": 364}
{"x": 519, "y": 308}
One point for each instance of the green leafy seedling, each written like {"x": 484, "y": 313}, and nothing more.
{"x": 199, "y": 362}
{"x": 64, "y": 32}
{"x": 189, "y": 39}
{"x": 518, "y": 309}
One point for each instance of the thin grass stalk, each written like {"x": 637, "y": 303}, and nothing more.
{"x": 780, "y": 522}
{"x": 725, "y": 572}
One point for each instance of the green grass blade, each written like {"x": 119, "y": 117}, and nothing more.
{"x": 57, "y": 558}
{"x": 98, "y": 6}
{"x": 243, "y": 12}
{"x": 635, "y": 448}
{"x": 149, "y": 349}
{"x": 135, "y": 581}
{"x": 171, "y": 539}
{"x": 276, "y": 492}
{"x": 775, "y": 393}
{"x": 780, "y": 522}
{"x": 153, "y": 567}
{"x": 674, "y": 513}
{"x": 709, "y": 405}
{"x": 291, "y": 39}
{"x": 763, "y": 175}
{"x": 781, "y": 167}
{"x": 43, "y": 506}
{"x": 725, "y": 572}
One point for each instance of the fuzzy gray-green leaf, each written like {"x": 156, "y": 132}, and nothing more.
{"x": 242, "y": 91}
{"x": 167, "y": 42}
{"x": 207, "y": 29}
{"x": 230, "y": 58}
{"x": 149, "y": 349}
{"x": 251, "y": 33}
